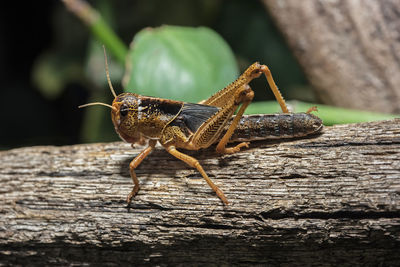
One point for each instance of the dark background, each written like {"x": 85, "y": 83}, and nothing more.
{"x": 30, "y": 30}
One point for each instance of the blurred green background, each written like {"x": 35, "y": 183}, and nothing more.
{"x": 51, "y": 63}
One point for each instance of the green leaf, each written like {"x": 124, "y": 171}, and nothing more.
{"x": 181, "y": 63}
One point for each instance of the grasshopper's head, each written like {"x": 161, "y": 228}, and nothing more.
{"x": 124, "y": 115}
{"x": 124, "y": 111}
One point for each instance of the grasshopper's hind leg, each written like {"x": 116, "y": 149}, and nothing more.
{"x": 195, "y": 164}
{"x": 252, "y": 72}
{"x": 278, "y": 96}
{"x": 134, "y": 164}
{"x": 244, "y": 96}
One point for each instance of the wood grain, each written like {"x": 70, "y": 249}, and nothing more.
{"x": 325, "y": 200}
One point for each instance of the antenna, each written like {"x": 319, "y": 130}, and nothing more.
{"x": 108, "y": 73}
{"x": 109, "y": 84}
{"x": 95, "y": 103}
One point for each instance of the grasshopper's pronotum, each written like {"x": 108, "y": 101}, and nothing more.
{"x": 176, "y": 124}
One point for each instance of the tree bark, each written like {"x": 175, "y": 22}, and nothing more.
{"x": 325, "y": 200}
{"x": 349, "y": 49}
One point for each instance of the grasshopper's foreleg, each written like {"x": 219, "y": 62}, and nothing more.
{"x": 244, "y": 96}
{"x": 134, "y": 164}
{"x": 195, "y": 164}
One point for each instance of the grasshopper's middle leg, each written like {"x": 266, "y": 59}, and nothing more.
{"x": 134, "y": 164}
{"x": 195, "y": 164}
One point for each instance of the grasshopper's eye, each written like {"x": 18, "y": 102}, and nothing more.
{"x": 123, "y": 110}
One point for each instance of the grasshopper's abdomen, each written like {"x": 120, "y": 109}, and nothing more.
{"x": 274, "y": 126}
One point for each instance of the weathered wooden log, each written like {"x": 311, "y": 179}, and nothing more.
{"x": 325, "y": 200}
{"x": 349, "y": 50}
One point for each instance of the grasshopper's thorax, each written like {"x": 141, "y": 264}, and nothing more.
{"x": 136, "y": 116}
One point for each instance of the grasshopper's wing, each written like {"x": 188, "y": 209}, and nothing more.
{"x": 192, "y": 116}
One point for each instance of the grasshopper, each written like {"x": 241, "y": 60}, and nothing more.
{"x": 181, "y": 125}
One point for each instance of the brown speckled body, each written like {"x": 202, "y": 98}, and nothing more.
{"x": 176, "y": 121}
{"x": 168, "y": 120}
